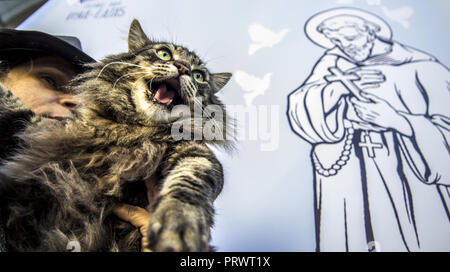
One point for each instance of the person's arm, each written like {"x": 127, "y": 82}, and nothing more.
{"x": 424, "y": 138}
{"x": 315, "y": 109}
{"x": 431, "y": 131}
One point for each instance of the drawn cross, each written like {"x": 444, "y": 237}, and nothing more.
{"x": 346, "y": 80}
{"x": 369, "y": 145}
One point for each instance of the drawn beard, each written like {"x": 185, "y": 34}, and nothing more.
{"x": 361, "y": 53}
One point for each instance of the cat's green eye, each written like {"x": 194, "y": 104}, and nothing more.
{"x": 164, "y": 54}
{"x": 198, "y": 76}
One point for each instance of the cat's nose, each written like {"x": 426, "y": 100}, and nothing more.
{"x": 183, "y": 69}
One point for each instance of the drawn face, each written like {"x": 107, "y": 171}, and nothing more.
{"x": 355, "y": 43}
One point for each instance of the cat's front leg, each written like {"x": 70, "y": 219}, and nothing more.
{"x": 182, "y": 214}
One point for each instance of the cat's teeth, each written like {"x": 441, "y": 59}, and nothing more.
{"x": 152, "y": 96}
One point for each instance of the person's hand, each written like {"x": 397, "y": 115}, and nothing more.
{"x": 368, "y": 78}
{"x": 380, "y": 113}
{"x": 138, "y": 217}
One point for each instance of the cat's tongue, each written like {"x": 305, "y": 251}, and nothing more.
{"x": 164, "y": 95}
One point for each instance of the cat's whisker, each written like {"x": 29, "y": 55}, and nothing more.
{"x": 128, "y": 74}
{"x": 150, "y": 84}
{"x": 137, "y": 80}
{"x": 123, "y": 63}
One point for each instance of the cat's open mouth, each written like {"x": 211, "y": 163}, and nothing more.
{"x": 165, "y": 92}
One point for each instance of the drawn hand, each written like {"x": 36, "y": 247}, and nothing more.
{"x": 369, "y": 78}
{"x": 380, "y": 113}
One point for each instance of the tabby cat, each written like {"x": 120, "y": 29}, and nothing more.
{"x": 63, "y": 183}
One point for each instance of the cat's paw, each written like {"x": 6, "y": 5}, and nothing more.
{"x": 178, "y": 226}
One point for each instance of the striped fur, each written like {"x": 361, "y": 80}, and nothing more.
{"x": 62, "y": 184}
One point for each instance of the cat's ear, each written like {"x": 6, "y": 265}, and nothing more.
{"x": 136, "y": 37}
{"x": 219, "y": 80}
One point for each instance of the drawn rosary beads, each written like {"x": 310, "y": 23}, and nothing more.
{"x": 343, "y": 158}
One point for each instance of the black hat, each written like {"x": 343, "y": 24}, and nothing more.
{"x": 66, "y": 47}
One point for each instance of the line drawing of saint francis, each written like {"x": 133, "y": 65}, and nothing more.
{"x": 376, "y": 113}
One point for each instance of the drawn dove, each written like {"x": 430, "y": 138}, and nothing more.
{"x": 263, "y": 37}
{"x": 252, "y": 85}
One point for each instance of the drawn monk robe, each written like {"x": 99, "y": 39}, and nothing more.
{"x": 381, "y": 156}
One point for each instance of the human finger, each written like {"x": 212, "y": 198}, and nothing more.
{"x": 358, "y": 103}
{"x": 369, "y": 86}
{"x": 365, "y": 125}
{"x": 371, "y": 97}
{"x": 369, "y": 117}
{"x": 137, "y": 216}
{"x": 366, "y": 116}
{"x": 373, "y": 113}
{"x": 360, "y": 110}
{"x": 372, "y": 78}
{"x": 371, "y": 73}
{"x": 362, "y": 115}
{"x": 363, "y": 71}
